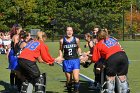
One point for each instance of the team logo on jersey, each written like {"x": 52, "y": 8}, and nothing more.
{"x": 32, "y": 45}
{"x": 70, "y": 46}
{"x": 110, "y": 42}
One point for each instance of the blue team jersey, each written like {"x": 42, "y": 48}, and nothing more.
{"x": 70, "y": 49}
{"x": 71, "y": 61}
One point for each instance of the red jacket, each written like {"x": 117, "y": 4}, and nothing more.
{"x": 105, "y": 48}
{"x": 34, "y": 49}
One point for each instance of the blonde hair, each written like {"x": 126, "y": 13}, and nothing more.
{"x": 103, "y": 34}
{"x": 41, "y": 35}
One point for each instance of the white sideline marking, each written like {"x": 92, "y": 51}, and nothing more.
{"x": 81, "y": 75}
{"x": 134, "y": 60}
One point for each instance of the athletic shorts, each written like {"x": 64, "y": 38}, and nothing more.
{"x": 117, "y": 64}
{"x": 28, "y": 68}
{"x": 13, "y": 60}
{"x": 70, "y": 65}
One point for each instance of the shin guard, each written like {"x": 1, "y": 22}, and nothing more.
{"x": 122, "y": 86}
{"x": 125, "y": 88}
{"x": 40, "y": 85}
{"x": 110, "y": 86}
{"x": 26, "y": 87}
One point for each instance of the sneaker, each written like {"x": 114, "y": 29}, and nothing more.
{"x": 94, "y": 86}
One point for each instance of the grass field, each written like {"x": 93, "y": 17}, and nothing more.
{"x": 55, "y": 76}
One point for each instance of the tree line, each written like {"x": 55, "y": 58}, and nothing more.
{"x": 55, "y": 15}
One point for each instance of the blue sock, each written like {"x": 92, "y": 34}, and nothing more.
{"x": 76, "y": 85}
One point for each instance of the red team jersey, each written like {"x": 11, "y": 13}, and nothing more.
{"x": 105, "y": 48}
{"x": 34, "y": 49}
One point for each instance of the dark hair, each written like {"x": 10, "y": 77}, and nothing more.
{"x": 14, "y": 30}
{"x": 23, "y": 34}
{"x": 69, "y": 26}
{"x": 96, "y": 26}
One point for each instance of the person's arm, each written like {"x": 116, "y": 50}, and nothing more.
{"x": 60, "y": 58}
{"x": 15, "y": 39}
{"x": 23, "y": 44}
{"x": 45, "y": 55}
{"x": 7, "y": 54}
{"x": 78, "y": 45}
{"x": 96, "y": 54}
{"x": 83, "y": 57}
{"x": 39, "y": 59}
{"x": 91, "y": 45}
{"x": 61, "y": 48}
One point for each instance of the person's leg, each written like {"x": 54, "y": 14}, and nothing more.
{"x": 12, "y": 78}
{"x": 68, "y": 76}
{"x": 76, "y": 71}
{"x": 111, "y": 72}
{"x": 122, "y": 72}
{"x": 110, "y": 84}
{"x": 76, "y": 80}
{"x": 122, "y": 84}
{"x": 97, "y": 74}
{"x": 18, "y": 80}
{"x": 40, "y": 84}
{"x": 67, "y": 64}
{"x": 30, "y": 71}
{"x": 68, "y": 82}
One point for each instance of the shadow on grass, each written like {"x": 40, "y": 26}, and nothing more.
{"x": 6, "y": 87}
{"x": 83, "y": 87}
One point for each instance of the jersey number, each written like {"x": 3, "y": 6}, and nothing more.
{"x": 32, "y": 45}
{"x": 110, "y": 42}
{"x": 70, "y": 52}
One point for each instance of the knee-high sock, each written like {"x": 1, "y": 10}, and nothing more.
{"x": 76, "y": 85}
{"x": 12, "y": 78}
{"x": 18, "y": 83}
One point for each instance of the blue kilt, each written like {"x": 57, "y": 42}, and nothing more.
{"x": 70, "y": 65}
{"x": 13, "y": 60}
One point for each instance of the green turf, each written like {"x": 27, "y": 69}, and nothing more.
{"x": 55, "y": 76}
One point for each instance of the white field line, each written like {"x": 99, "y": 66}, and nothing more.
{"x": 134, "y": 60}
{"x": 81, "y": 75}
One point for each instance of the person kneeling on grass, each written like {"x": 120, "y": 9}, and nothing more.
{"x": 116, "y": 61}
{"x": 27, "y": 61}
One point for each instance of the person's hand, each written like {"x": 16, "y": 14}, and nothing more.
{"x": 59, "y": 59}
{"x": 83, "y": 58}
{"x": 86, "y": 64}
{"x": 51, "y": 64}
